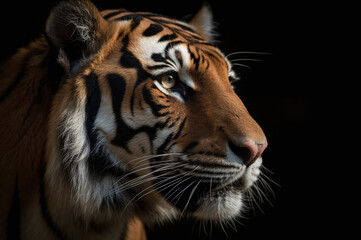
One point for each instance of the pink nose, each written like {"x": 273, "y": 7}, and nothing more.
{"x": 255, "y": 151}
{"x": 248, "y": 151}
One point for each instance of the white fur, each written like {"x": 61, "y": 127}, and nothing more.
{"x": 150, "y": 45}
{"x": 252, "y": 174}
{"x": 220, "y": 208}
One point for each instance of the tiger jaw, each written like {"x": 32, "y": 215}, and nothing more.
{"x": 226, "y": 201}
{"x": 211, "y": 193}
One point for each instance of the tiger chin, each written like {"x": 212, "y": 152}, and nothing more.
{"x": 112, "y": 119}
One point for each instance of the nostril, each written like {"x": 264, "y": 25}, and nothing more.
{"x": 242, "y": 152}
{"x": 248, "y": 151}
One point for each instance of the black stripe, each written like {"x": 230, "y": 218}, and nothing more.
{"x": 180, "y": 25}
{"x": 112, "y": 14}
{"x": 124, "y": 132}
{"x": 168, "y": 21}
{"x": 152, "y": 30}
{"x": 128, "y": 60}
{"x": 195, "y": 59}
{"x": 180, "y": 128}
{"x": 213, "y": 154}
{"x": 190, "y": 146}
{"x": 134, "y": 17}
{"x": 125, "y": 42}
{"x": 157, "y": 57}
{"x": 172, "y": 44}
{"x": 165, "y": 123}
{"x": 95, "y": 161}
{"x": 120, "y": 34}
{"x": 166, "y": 142}
{"x": 212, "y": 171}
{"x": 172, "y": 125}
{"x": 214, "y": 55}
{"x": 13, "y": 228}
{"x": 168, "y": 37}
{"x": 156, "y": 108}
{"x": 154, "y": 67}
{"x": 92, "y": 106}
{"x": 99, "y": 163}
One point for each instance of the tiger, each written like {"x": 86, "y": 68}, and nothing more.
{"x": 114, "y": 120}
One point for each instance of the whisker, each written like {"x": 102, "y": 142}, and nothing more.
{"x": 190, "y": 196}
{"x": 266, "y": 186}
{"x": 180, "y": 194}
{"x": 162, "y": 188}
{"x": 265, "y": 196}
{"x": 255, "y": 201}
{"x": 232, "y": 225}
{"x": 251, "y": 200}
{"x": 245, "y": 59}
{"x": 141, "y": 169}
{"x": 211, "y": 228}
{"x": 151, "y": 186}
{"x": 221, "y": 224}
{"x": 180, "y": 182}
{"x": 140, "y": 180}
{"x": 186, "y": 179}
{"x": 261, "y": 191}
{"x": 269, "y": 179}
{"x": 126, "y": 206}
{"x": 148, "y": 157}
{"x": 210, "y": 188}
{"x": 241, "y": 65}
{"x": 246, "y": 52}
{"x": 176, "y": 184}
{"x": 267, "y": 169}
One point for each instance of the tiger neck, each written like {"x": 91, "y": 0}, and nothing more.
{"x": 26, "y": 93}
{"x": 30, "y": 80}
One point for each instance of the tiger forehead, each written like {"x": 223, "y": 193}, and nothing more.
{"x": 177, "y": 45}
{"x": 164, "y": 39}
{"x": 144, "y": 18}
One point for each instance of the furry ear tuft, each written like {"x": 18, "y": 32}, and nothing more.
{"x": 76, "y": 28}
{"x": 203, "y": 23}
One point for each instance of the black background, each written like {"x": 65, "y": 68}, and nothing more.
{"x": 285, "y": 93}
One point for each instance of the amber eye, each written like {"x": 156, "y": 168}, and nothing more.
{"x": 168, "y": 80}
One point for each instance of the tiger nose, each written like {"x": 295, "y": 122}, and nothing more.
{"x": 248, "y": 151}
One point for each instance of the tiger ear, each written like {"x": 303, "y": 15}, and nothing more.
{"x": 78, "y": 30}
{"x": 203, "y": 23}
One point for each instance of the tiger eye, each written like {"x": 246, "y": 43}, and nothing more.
{"x": 168, "y": 80}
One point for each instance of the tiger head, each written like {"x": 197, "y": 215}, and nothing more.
{"x": 145, "y": 120}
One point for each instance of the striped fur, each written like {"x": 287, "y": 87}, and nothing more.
{"x": 93, "y": 143}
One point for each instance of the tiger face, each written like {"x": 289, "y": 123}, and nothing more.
{"x": 146, "y": 121}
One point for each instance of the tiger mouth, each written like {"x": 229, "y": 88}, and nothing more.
{"x": 213, "y": 171}
{"x": 191, "y": 185}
